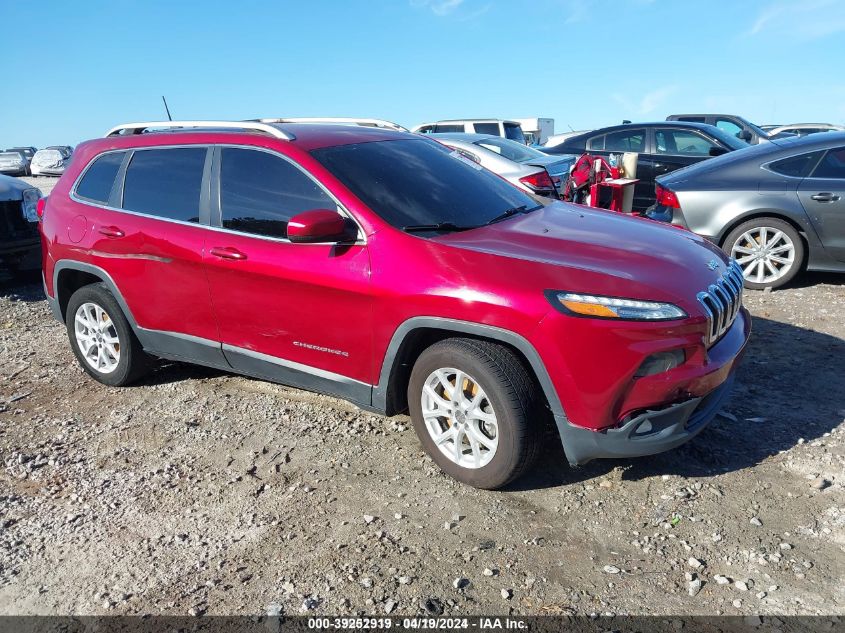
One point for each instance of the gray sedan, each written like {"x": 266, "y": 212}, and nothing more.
{"x": 777, "y": 208}
{"x": 524, "y": 166}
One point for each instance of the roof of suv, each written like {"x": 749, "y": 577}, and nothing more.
{"x": 705, "y": 114}
{"x": 306, "y": 136}
{"x": 478, "y": 121}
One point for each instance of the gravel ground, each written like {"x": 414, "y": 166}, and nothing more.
{"x": 203, "y": 492}
{"x": 44, "y": 183}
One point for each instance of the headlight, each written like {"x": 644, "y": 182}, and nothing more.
{"x": 615, "y": 307}
{"x": 30, "y": 204}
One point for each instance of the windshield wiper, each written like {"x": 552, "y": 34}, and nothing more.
{"x": 504, "y": 215}
{"x": 439, "y": 226}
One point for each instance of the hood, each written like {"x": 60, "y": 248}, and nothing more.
{"x": 12, "y": 188}
{"x": 603, "y": 252}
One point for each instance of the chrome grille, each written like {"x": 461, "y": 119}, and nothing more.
{"x": 722, "y": 301}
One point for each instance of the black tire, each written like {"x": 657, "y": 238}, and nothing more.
{"x": 774, "y": 224}
{"x": 512, "y": 393}
{"x": 133, "y": 362}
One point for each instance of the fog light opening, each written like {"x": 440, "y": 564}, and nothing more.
{"x": 660, "y": 362}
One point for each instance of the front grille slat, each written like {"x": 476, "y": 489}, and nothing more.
{"x": 722, "y": 302}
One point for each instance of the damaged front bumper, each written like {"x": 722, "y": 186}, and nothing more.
{"x": 649, "y": 433}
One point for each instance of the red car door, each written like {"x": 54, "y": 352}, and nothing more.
{"x": 149, "y": 238}
{"x": 299, "y": 314}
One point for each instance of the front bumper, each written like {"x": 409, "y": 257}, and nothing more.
{"x": 647, "y": 434}
{"x": 656, "y": 413}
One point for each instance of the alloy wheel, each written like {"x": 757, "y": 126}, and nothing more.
{"x": 765, "y": 254}
{"x": 459, "y": 417}
{"x": 97, "y": 337}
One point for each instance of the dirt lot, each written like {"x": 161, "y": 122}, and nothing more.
{"x": 202, "y": 492}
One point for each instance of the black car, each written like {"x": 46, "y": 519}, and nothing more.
{"x": 20, "y": 243}
{"x": 662, "y": 147}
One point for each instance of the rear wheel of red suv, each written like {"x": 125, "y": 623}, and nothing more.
{"x": 472, "y": 404}
{"x": 102, "y": 339}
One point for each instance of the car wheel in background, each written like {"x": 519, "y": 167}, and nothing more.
{"x": 102, "y": 339}
{"x": 473, "y": 406}
{"x": 769, "y": 250}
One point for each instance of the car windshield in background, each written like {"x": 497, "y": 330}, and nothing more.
{"x": 514, "y": 133}
{"x": 420, "y": 182}
{"x": 510, "y": 149}
{"x": 726, "y": 138}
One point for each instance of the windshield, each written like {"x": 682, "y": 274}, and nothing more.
{"x": 513, "y": 131}
{"x": 420, "y": 182}
{"x": 510, "y": 149}
{"x": 725, "y": 138}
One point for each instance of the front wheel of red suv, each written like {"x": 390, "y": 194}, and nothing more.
{"x": 472, "y": 404}
{"x": 102, "y": 338}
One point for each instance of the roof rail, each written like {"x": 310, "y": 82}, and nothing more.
{"x": 258, "y": 126}
{"x": 380, "y": 123}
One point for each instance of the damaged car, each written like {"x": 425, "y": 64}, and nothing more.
{"x": 20, "y": 245}
{"x": 50, "y": 161}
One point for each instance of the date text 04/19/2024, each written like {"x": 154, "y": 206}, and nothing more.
{"x": 480, "y": 623}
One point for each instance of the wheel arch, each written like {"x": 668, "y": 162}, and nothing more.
{"x": 416, "y": 334}
{"x": 763, "y": 213}
{"x": 70, "y": 275}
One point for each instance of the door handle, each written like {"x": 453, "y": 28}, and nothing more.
{"x": 111, "y": 231}
{"x": 228, "y": 252}
{"x": 825, "y": 197}
{"x": 661, "y": 168}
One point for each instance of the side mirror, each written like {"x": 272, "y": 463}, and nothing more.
{"x": 745, "y": 135}
{"x": 321, "y": 225}
{"x": 717, "y": 151}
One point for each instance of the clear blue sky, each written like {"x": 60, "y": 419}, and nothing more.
{"x": 76, "y": 68}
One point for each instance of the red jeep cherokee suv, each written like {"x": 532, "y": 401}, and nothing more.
{"x": 383, "y": 268}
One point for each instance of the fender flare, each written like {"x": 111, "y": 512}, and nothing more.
{"x": 72, "y": 264}
{"x": 513, "y": 339}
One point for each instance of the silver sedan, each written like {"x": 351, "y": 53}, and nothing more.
{"x": 777, "y": 208}
{"x": 527, "y": 168}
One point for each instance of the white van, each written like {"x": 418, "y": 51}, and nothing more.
{"x": 496, "y": 127}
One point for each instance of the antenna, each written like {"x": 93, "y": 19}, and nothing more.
{"x": 169, "y": 118}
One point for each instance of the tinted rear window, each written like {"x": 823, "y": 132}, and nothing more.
{"x": 413, "y": 182}
{"x": 796, "y": 166}
{"x": 511, "y": 150}
{"x": 98, "y": 180}
{"x": 165, "y": 182}
{"x": 625, "y": 141}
